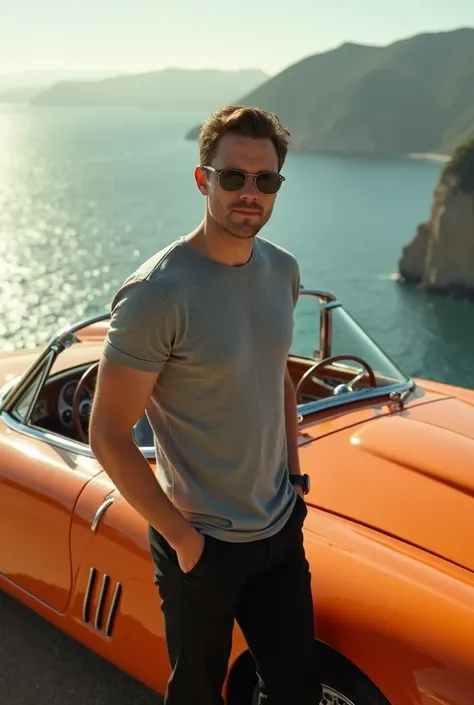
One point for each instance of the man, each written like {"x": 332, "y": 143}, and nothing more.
{"x": 199, "y": 338}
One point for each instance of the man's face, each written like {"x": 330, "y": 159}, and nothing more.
{"x": 244, "y": 212}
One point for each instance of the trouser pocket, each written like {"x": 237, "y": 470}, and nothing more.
{"x": 205, "y": 560}
{"x": 165, "y": 558}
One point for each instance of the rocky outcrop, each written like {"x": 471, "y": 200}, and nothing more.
{"x": 440, "y": 257}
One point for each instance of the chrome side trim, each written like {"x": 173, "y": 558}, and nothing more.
{"x": 52, "y": 439}
{"x": 88, "y": 595}
{"x": 100, "y": 603}
{"x": 149, "y": 452}
{"x": 100, "y": 511}
{"x": 313, "y": 407}
{"x": 109, "y": 625}
{"x": 57, "y": 441}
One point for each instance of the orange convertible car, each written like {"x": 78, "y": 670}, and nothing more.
{"x": 389, "y": 532}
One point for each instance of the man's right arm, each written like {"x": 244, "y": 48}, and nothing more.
{"x": 135, "y": 351}
{"x": 121, "y": 396}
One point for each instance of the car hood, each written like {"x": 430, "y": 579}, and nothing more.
{"x": 409, "y": 474}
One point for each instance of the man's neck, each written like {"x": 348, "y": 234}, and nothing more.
{"x": 220, "y": 246}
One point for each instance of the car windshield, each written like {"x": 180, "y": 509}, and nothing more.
{"x": 348, "y": 338}
{"x": 342, "y": 335}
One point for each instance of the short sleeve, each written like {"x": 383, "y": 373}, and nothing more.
{"x": 142, "y": 328}
{"x": 296, "y": 283}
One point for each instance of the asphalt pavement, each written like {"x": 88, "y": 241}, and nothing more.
{"x": 39, "y": 665}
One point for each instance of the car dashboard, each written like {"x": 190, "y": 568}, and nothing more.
{"x": 53, "y": 409}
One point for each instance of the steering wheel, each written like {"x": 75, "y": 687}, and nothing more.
{"x": 78, "y": 417}
{"x": 340, "y": 389}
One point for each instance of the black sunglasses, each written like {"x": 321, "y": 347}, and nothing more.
{"x": 267, "y": 182}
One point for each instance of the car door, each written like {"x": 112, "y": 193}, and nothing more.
{"x": 40, "y": 483}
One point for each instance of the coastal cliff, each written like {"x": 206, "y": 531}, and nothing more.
{"x": 440, "y": 258}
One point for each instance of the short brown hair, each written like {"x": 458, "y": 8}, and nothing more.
{"x": 243, "y": 120}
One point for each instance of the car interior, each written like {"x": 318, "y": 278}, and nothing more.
{"x": 65, "y": 400}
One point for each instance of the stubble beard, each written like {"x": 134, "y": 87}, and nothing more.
{"x": 245, "y": 231}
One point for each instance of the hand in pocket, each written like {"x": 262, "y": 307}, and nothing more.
{"x": 190, "y": 551}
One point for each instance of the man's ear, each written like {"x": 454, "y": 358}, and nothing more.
{"x": 200, "y": 177}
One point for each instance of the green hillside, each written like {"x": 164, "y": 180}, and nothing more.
{"x": 415, "y": 95}
{"x": 172, "y": 89}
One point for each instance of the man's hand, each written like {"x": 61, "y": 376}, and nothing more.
{"x": 299, "y": 490}
{"x": 190, "y": 550}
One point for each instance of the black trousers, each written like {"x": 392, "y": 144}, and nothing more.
{"x": 265, "y": 586}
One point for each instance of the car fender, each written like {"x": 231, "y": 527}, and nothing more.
{"x": 404, "y": 617}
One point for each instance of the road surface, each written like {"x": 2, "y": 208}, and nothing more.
{"x": 39, "y": 665}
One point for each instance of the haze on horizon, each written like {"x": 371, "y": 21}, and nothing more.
{"x": 143, "y": 35}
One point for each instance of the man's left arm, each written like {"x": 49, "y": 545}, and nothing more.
{"x": 291, "y": 424}
{"x": 291, "y": 413}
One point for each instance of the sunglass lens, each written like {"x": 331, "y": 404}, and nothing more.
{"x": 268, "y": 182}
{"x": 231, "y": 179}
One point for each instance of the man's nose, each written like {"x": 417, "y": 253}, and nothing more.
{"x": 250, "y": 191}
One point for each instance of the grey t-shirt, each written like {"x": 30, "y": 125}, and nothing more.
{"x": 219, "y": 337}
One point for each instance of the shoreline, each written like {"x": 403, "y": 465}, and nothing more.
{"x": 430, "y": 156}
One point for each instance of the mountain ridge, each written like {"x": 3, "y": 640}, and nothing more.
{"x": 413, "y": 95}
{"x": 169, "y": 89}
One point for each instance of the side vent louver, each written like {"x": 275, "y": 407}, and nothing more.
{"x": 104, "y": 592}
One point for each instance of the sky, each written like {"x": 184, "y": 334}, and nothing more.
{"x": 144, "y": 35}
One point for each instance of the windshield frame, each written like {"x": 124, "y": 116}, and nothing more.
{"x": 15, "y": 389}
{"x": 398, "y": 391}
